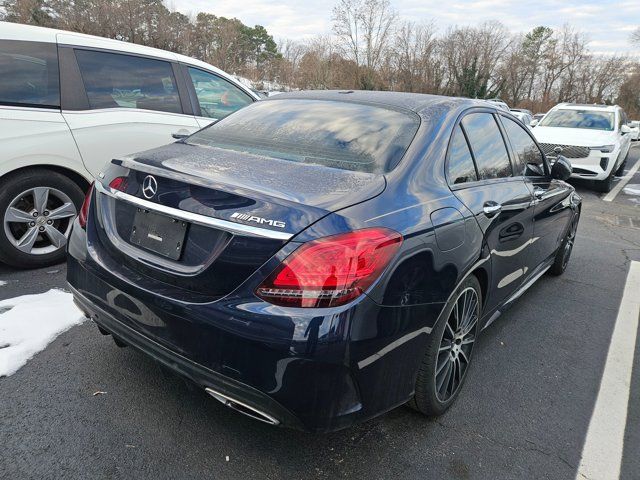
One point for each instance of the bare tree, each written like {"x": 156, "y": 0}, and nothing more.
{"x": 364, "y": 29}
{"x": 472, "y": 56}
{"x": 416, "y": 65}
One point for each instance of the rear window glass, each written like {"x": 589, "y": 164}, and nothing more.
{"x": 345, "y": 135}
{"x": 29, "y": 74}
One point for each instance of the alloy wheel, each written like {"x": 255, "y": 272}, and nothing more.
{"x": 456, "y": 344}
{"x": 571, "y": 238}
{"x": 39, "y": 220}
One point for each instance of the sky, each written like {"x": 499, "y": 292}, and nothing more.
{"x": 607, "y": 23}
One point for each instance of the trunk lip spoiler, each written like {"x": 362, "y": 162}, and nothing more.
{"x": 226, "y": 225}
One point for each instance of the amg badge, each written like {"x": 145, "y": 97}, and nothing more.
{"x": 251, "y": 218}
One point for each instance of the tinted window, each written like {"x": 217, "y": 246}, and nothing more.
{"x": 591, "y": 119}
{"x": 345, "y": 135}
{"x": 525, "y": 148}
{"x": 460, "y": 163}
{"x": 113, "y": 80}
{"x": 29, "y": 74}
{"x": 217, "y": 97}
{"x": 487, "y": 145}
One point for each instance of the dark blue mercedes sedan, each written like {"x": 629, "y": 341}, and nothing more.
{"x": 319, "y": 258}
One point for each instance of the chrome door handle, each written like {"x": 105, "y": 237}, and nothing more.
{"x": 491, "y": 209}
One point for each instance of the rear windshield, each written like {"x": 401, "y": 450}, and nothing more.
{"x": 345, "y": 135}
{"x": 590, "y": 119}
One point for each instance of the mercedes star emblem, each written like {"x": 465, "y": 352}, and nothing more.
{"x": 149, "y": 186}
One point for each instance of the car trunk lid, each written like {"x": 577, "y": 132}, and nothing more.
{"x": 235, "y": 210}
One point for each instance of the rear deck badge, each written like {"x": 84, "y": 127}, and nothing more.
{"x": 259, "y": 220}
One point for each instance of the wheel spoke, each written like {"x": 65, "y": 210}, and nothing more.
{"x": 56, "y": 236}
{"x": 474, "y": 306}
{"x": 442, "y": 365}
{"x": 465, "y": 306}
{"x": 468, "y": 340}
{"x": 464, "y": 356}
{"x": 451, "y": 332}
{"x": 451, "y": 382}
{"x": 25, "y": 243}
{"x": 40, "y": 198}
{"x": 17, "y": 216}
{"x": 68, "y": 209}
{"x": 472, "y": 323}
{"x": 467, "y": 317}
{"x": 444, "y": 379}
{"x": 444, "y": 348}
{"x": 459, "y": 370}
{"x": 456, "y": 315}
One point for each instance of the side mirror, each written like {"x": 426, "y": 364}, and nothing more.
{"x": 533, "y": 122}
{"x": 561, "y": 169}
{"x": 624, "y": 129}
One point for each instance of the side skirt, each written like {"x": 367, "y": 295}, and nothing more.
{"x": 541, "y": 270}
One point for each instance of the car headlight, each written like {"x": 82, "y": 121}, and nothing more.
{"x": 604, "y": 148}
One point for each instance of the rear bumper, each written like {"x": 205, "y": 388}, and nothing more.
{"x": 199, "y": 374}
{"x": 313, "y": 369}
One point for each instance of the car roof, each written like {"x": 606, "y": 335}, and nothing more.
{"x": 416, "y": 102}
{"x": 15, "y": 31}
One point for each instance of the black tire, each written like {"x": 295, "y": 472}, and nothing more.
{"x": 620, "y": 170}
{"x": 12, "y": 186}
{"x": 605, "y": 185}
{"x": 427, "y": 399}
{"x": 566, "y": 247}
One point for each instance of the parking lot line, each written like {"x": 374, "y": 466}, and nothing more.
{"x": 621, "y": 184}
{"x": 603, "y": 447}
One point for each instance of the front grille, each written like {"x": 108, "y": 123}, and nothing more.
{"x": 568, "y": 151}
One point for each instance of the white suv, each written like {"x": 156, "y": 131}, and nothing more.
{"x": 69, "y": 103}
{"x": 595, "y": 138}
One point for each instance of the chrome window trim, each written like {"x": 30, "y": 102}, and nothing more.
{"x": 89, "y": 111}
{"x": 233, "y": 227}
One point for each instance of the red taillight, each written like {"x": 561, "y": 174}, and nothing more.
{"x": 331, "y": 271}
{"x": 119, "y": 183}
{"x": 84, "y": 210}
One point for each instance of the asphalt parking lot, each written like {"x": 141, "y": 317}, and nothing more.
{"x": 524, "y": 411}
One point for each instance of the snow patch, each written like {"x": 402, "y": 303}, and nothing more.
{"x": 632, "y": 189}
{"x": 30, "y": 322}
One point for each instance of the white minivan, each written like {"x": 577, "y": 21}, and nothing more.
{"x": 69, "y": 103}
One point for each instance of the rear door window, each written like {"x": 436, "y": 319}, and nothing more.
{"x": 216, "y": 96}
{"x": 125, "y": 81}
{"x": 460, "y": 168}
{"x": 487, "y": 145}
{"x": 29, "y": 74}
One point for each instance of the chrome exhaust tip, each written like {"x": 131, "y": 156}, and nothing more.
{"x": 242, "y": 407}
